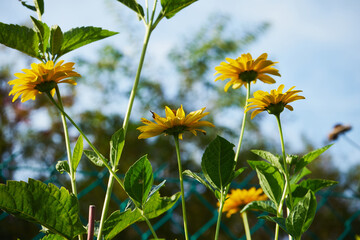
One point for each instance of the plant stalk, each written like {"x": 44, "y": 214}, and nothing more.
{"x": 246, "y": 225}
{"x": 287, "y": 188}
{"x": 72, "y": 173}
{"x": 226, "y": 190}
{"x": 126, "y": 121}
{"x": 176, "y": 138}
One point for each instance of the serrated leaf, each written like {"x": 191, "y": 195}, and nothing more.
{"x": 273, "y": 160}
{"x": 47, "y": 205}
{"x": 78, "y": 37}
{"x": 56, "y": 39}
{"x": 302, "y": 215}
{"x": 77, "y": 153}
{"x": 94, "y": 158}
{"x": 138, "y": 181}
{"x": 238, "y": 172}
{"x": 43, "y": 32}
{"x": 20, "y": 38}
{"x": 270, "y": 179}
{"x": 317, "y": 184}
{"x": 119, "y": 221}
{"x": 218, "y": 162}
{"x": 132, "y": 4}
{"x": 39, "y": 4}
{"x": 52, "y": 237}
{"x": 171, "y": 7}
{"x": 116, "y": 146}
{"x": 308, "y": 158}
{"x": 264, "y": 206}
{"x": 279, "y": 220}
{"x": 158, "y": 205}
{"x": 62, "y": 166}
{"x": 28, "y": 6}
{"x": 297, "y": 177}
{"x": 156, "y": 188}
{"x": 198, "y": 177}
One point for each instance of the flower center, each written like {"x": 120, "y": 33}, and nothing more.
{"x": 176, "y": 130}
{"x": 248, "y": 76}
{"x": 276, "y": 108}
{"x": 46, "y": 86}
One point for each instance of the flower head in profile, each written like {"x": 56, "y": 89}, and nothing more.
{"x": 42, "y": 77}
{"x": 238, "y": 198}
{"x": 273, "y": 102}
{"x": 175, "y": 123}
{"x": 245, "y": 70}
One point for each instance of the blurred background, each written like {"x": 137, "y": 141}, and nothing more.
{"x": 315, "y": 42}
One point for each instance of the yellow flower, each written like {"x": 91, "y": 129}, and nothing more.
{"x": 273, "y": 102}
{"x": 42, "y": 77}
{"x": 175, "y": 123}
{"x": 245, "y": 70}
{"x": 238, "y": 198}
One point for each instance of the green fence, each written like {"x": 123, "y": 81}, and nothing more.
{"x": 195, "y": 191}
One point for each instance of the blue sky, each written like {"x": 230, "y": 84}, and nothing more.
{"x": 317, "y": 45}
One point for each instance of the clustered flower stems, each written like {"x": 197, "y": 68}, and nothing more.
{"x": 176, "y": 138}
{"x": 225, "y": 191}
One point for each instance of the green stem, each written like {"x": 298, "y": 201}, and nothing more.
{"x": 176, "y": 138}
{"x": 219, "y": 214}
{"x": 243, "y": 124}
{"x": 148, "y": 223}
{"x": 226, "y": 190}
{"x": 126, "y": 121}
{"x": 72, "y": 173}
{"x": 246, "y": 225}
{"x": 67, "y": 143}
{"x": 287, "y": 188}
{"x": 87, "y": 140}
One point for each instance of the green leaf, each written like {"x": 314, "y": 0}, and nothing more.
{"x": 264, "y": 206}
{"x": 132, "y": 4}
{"x": 52, "y": 237}
{"x": 62, "y": 166}
{"x": 156, "y": 188}
{"x": 56, "y": 39}
{"x": 171, "y": 7}
{"x": 78, "y": 151}
{"x": 278, "y": 220}
{"x": 271, "y": 180}
{"x": 238, "y": 172}
{"x": 78, "y": 37}
{"x": 308, "y": 158}
{"x": 39, "y": 4}
{"x": 43, "y": 32}
{"x": 158, "y": 205}
{"x": 274, "y": 160}
{"x": 28, "y": 6}
{"x": 20, "y": 38}
{"x": 317, "y": 184}
{"x": 94, "y": 158}
{"x": 116, "y": 146}
{"x": 297, "y": 177}
{"x": 118, "y": 221}
{"x": 43, "y": 204}
{"x": 198, "y": 177}
{"x": 302, "y": 215}
{"x": 218, "y": 162}
{"x": 138, "y": 181}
